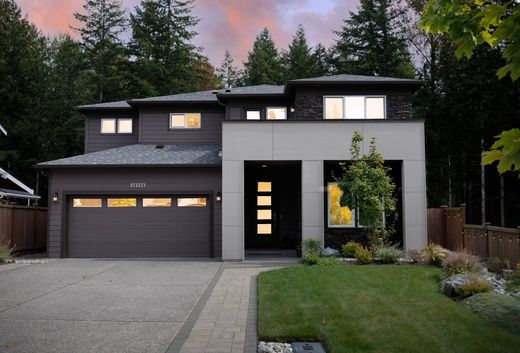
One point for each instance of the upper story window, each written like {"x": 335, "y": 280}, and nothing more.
{"x": 117, "y": 126}
{"x": 276, "y": 113}
{"x": 185, "y": 121}
{"x": 252, "y": 114}
{"x": 355, "y": 107}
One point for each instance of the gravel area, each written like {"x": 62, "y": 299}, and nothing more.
{"x": 274, "y": 347}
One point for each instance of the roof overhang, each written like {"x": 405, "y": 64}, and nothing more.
{"x": 137, "y": 103}
{"x": 7, "y": 176}
{"x": 7, "y": 193}
{"x": 4, "y": 131}
{"x": 102, "y": 166}
{"x": 410, "y": 84}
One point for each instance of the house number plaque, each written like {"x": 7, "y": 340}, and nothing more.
{"x": 137, "y": 185}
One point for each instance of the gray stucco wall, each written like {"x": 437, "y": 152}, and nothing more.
{"x": 96, "y": 141}
{"x": 154, "y": 125}
{"x": 95, "y": 181}
{"x": 313, "y": 142}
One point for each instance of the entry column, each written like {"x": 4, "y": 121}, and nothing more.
{"x": 312, "y": 200}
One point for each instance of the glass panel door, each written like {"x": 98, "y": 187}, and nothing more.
{"x": 264, "y": 212}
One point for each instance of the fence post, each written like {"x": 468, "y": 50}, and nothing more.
{"x": 12, "y": 228}
{"x": 444, "y": 235}
{"x": 462, "y": 221}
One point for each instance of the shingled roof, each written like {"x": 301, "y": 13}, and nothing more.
{"x": 106, "y": 105}
{"x": 143, "y": 155}
{"x": 344, "y": 78}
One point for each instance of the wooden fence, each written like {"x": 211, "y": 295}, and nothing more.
{"x": 446, "y": 227}
{"x": 23, "y": 227}
{"x": 489, "y": 241}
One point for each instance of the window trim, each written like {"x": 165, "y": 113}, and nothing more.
{"x": 365, "y": 105}
{"x": 116, "y": 126}
{"x": 185, "y": 127}
{"x": 354, "y": 213}
{"x": 275, "y": 107}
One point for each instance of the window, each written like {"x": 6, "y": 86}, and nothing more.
{"x": 185, "y": 121}
{"x": 108, "y": 126}
{"x": 263, "y": 200}
{"x": 354, "y": 107}
{"x": 84, "y": 202}
{"x": 117, "y": 126}
{"x": 191, "y": 202}
{"x": 334, "y": 108}
{"x": 338, "y": 216}
{"x": 253, "y": 114}
{"x": 264, "y": 186}
{"x": 264, "y": 214}
{"x": 276, "y": 113}
{"x": 157, "y": 202}
{"x": 263, "y": 228}
{"x": 122, "y": 202}
{"x": 124, "y": 126}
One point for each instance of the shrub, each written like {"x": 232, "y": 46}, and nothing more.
{"x": 458, "y": 262}
{"x": 5, "y": 251}
{"x": 364, "y": 256}
{"x": 514, "y": 284}
{"x": 496, "y": 265}
{"x": 349, "y": 249}
{"x": 388, "y": 254}
{"x": 502, "y": 310}
{"x": 473, "y": 286}
{"x": 328, "y": 261}
{"x": 311, "y": 260}
{"x": 433, "y": 254}
{"x": 311, "y": 247}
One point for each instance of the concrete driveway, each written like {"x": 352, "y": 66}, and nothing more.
{"x": 86, "y": 305}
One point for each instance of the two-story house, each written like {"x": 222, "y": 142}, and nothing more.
{"x": 227, "y": 172}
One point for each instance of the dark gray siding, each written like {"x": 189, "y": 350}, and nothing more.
{"x": 95, "y": 141}
{"x": 117, "y": 181}
{"x": 154, "y": 125}
{"x": 308, "y": 102}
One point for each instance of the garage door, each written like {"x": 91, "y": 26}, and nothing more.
{"x": 139, "y": 226}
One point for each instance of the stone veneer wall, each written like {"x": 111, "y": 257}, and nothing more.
{"x": 310, "y": 106}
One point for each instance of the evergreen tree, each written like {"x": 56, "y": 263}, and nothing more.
{"x": 299, "y": 61}
{"x": 161, "y": 44}
{"x": 23, "y": 91}
{"x": 103, "y": 22}
{"x": 227, "y": 73}
{"x": 263, "y": 64}
{"x": 322, "y": 60}
{"x": 371, "y": 41}
{"x": 204, "y": 77}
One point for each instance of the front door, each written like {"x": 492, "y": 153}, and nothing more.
{"x": 262, "y": 230}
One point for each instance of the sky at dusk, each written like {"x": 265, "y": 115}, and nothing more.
{"x": 225, "y": 24}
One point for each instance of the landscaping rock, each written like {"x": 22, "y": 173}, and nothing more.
{"x": 507, "y": 274}
{"x": 405, "y": 261}
{"x": 274, "y": 347}
{"x": 498, "y": 283}
{"x": 450, "y": 284}
{"x": 329, "y": 252}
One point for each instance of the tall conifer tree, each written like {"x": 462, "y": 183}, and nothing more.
{"x": 103, "y": 21}
{"x": 228, "y": 73}
{"x": 371, "y": 41}
{"x": 263, "y": 64}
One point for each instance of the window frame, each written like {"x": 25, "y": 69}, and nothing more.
{"x": 259, "y": 110}
{"x": 354, "y": 212}
{"x": 123, "y": 198}
{"x": 116, "y": 126}
{"x": 87, "y": 198}
{"x": 275, "y": 107}
{"x": 364, "y": 105}
{"x": 185, "y": 127}
{"x": 206, "y": 201}
{"x": 131, "y": 125}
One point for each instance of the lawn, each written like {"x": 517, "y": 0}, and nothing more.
{"x": 375, "y": 308}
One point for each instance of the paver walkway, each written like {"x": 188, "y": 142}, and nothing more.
{"x": 221, "y": 326}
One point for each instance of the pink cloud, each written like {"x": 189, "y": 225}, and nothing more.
{"x": 225, "y": 24}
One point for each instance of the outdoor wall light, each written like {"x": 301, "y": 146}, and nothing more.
{"x": 291, "y": 109}
{"x": 55, "y": 197}
{"x": 218, "y": 197}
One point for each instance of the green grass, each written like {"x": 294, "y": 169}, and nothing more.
{"x": 375, "y": 308}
